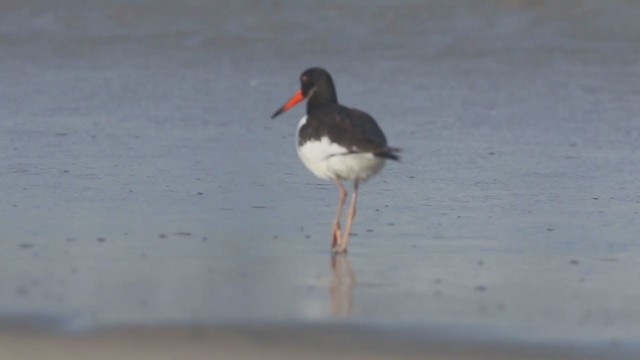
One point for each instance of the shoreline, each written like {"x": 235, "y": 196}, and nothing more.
{"x": 282, "y": 341}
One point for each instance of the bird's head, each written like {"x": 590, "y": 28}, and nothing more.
{"x": 314, "y": 82}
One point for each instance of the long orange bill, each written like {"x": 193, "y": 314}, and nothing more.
{"x": 296, "y": 98}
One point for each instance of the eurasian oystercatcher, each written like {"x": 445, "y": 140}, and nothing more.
{"x": 337, "y": 143}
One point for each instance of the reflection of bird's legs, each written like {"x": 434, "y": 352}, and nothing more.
{"x": 341, "y": 285}
{"x": 335, "y": 227}
{"x": 342, "y": 245}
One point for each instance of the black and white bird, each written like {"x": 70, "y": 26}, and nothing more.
{"x": 337, "y": 143}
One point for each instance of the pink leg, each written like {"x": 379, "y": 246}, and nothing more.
{"x": 342, "y": 196}
{"x": 342, "y": 245}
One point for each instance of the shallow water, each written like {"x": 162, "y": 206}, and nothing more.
{"x": 144, "y": 183}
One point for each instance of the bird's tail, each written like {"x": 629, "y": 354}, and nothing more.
{"x": 389, "y": 153}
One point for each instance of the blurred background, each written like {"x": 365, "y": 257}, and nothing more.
{"x": 144, "y": 185}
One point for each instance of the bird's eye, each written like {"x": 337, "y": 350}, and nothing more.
{"x": 304, "y": 79}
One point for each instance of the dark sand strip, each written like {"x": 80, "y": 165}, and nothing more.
{"x": 277, "y": 342}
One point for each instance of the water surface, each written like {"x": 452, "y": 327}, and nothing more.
{"x": 143, "y": 182}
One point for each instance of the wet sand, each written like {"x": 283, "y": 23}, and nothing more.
{"x": 278, "y": 341}
{"x": 144, "y": 185}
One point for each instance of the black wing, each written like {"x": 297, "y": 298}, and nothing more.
{"x": 352, "y": 129}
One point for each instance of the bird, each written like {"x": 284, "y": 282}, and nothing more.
{"x": 337, "y": 143}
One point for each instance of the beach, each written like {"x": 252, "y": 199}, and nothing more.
{"x": 150, "y": 205}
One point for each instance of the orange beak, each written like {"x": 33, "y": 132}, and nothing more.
{"x": 296, "y": 98}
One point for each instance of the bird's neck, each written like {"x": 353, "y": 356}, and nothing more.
{"x": 322, "y": 97}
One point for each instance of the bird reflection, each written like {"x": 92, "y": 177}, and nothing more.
{"x": 342, "y": 283}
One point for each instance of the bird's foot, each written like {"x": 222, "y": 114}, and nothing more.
{"x": 339, "y": 249}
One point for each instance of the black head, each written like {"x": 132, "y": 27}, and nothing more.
{"x": 316, "y": 85}
{"x": 317, "y": 82}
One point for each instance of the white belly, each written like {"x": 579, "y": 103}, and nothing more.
{"x": 331, "y": 161}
